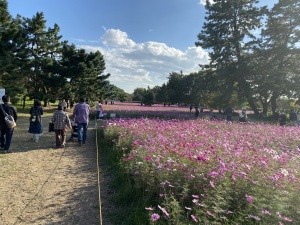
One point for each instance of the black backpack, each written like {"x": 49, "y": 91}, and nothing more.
{"x": 35, "y": 116}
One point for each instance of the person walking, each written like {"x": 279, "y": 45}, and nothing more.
{"x": 6, "y": 133}
{"x": 293, "y": 117}
{"x": 63, "y": 104}
{"x": 81, "y": 116}
{"x": 61, "y": 122}
{"x": 99, "y": 109}
{"x": 298, "y": 118}
{"x": 35, "y": 123}
{"x": 282, "y": 119}
{"x": 197, "y": 111}
{"x": 229, "y": 111}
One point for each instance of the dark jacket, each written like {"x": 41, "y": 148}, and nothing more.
{"x": 9, "y": 109}
{"x": 293, "y": 116}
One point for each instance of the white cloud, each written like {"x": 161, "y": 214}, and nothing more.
{"x": 133, "y": 65}
{"x": 117, "y": 38}
{"x": 203, "y": 2}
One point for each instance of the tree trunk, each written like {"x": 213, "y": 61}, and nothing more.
{"x": 46, "y": 103}
{"x": 265, "y": 107}
{"x": 24, "y": 102}
{"x": 252, "y": 105}
{"x": 273, "y": 103}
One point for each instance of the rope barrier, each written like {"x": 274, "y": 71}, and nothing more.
{"x": 36, "y": 194}
{"x": 54, "y": 169}
{"x": 98, "y": 173}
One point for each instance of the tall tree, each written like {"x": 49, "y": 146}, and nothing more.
{"x": 226, "y": 34}
{"x": 138, "y": 94}
{"x": 176, "y": 88}
{"x": 43, "y": 45}
{"x": 278, "y": 55}
{"x": 13, "y": 55}
{"x": 5, "y": 38}
{"x": 83, "y": 72}
{"x": 162, "y": 94}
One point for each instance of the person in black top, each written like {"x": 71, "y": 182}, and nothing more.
{"x": 229, "y": 111}
{"x": 282, "y": 119}
{"x": 293, "y": 117}
{"x": 6, "y": 133}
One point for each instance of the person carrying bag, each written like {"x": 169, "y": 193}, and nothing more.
{"x": 61, "y": 122}
{"x": 8, "y": 118}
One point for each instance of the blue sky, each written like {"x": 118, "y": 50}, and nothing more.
{"x": 142, "y": 41}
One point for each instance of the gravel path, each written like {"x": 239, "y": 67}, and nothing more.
{"x": 40, "y": 184}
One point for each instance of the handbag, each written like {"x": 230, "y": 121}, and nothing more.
{"x": 9, "y": 120}
{"x": 51, "y": 127}
{"x": 65, "y": 129}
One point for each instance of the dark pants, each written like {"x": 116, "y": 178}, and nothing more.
{"x": 229, "y": 118}
{"x": 5, "y": 138}
{"x": 60, "y": 137}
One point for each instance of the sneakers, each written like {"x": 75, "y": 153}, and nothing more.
{"x": 79, "y": 143}
{"x": 7, "y": 151}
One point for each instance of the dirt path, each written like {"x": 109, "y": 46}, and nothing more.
{"x": 40, "y": 184}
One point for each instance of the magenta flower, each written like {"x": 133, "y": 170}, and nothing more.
{"x": 149, "y": 208}
{"x": 213, "y": 174}
{"x": 249, "y": 198}
{"x": 266, "y": 212}
{"x": 155, "y": 217}
{"x": 194, "y": 218}
{"x": 287, "y": 219}
{"x": 163, "y": 210}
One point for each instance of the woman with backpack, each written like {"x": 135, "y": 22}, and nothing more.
{"x": 35, "y": 123}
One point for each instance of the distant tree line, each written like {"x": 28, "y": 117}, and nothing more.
{"x": 36, "y": 64}
{"x": 245, "y": 67}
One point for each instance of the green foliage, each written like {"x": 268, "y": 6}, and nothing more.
{"x": 148, "y": 98}
{"x": 138, "y": 94}
{"x": 130, "y": 200}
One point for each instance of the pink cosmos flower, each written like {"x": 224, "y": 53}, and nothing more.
{"x": 163, "y": 210}
{"x": 249, "y": 198}
{"x": 278, "y": 214}
{"x": 213, "y": 174}
{"x": 287, "y": 219}
{"x": 212, "y": 184}
{"x": 154, "y": 217}
{"x": 149, "y": 208}
{"x": 194, "y": 218}
{"x": 266, "y": 212}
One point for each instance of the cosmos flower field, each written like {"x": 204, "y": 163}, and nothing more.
{"x": 197, "y": 171}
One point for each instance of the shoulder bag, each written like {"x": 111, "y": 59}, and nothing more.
{"x": 9, "y": 120}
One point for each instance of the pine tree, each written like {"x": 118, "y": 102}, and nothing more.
{"x": 280, "y": 51}
{"x": 226, "y": 34}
